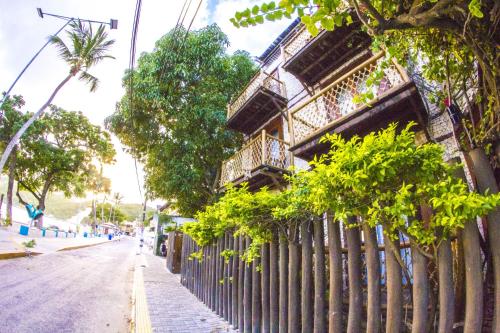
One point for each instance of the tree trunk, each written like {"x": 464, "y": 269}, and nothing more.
{"x": 265, "y": 288}
{"x": 486, "y": 182}
{"x": 256, "y": 297}
{"x": 274, "y": 284}
{"x": 355, "y": 316}
{"x": 394, "y": 287}
{"x": 420, "y": 291}
{"x": 446, "y": 293}
{"x": 247, "y": 294}
{"x": 307, "y": 278}
{"x": 294, "y": 282}
{"x": 10, "y": 185}
{"x": 373, "y": 311}
{"x": 335, "y": 295}
{"x": 319, "y": 278}
{"x": 15, "y": 139}
{"x": 283, "y": 303}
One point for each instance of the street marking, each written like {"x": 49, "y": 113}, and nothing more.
{"x": 141, "y": 322}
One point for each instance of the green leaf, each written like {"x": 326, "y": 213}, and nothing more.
{"x": 255, "y": 10}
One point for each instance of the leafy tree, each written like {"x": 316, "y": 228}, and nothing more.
{"x": 359, "y": 177}
{"x": 12, "y": 121}
{"x": 104, "y": 210}
{"x": 173, "y": 117}
{"x": 88, "y": 47}
{"x": 455, "y": 41}
{"x": 60, "y": 155}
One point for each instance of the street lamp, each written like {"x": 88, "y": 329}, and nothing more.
{"x": 113, "y": 24}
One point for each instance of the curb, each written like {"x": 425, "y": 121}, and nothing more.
{"x": 13, "y": 255}
{"x": 140, "y": 322}
{"x": 69, "y": 248}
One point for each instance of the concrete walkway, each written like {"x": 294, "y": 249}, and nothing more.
{"x": 11, "y": 243}
{"x": 172, "y": 308}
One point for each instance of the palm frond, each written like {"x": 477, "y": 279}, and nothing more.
{"x": 90, "y": 79}
{"x": 62, "y": 48}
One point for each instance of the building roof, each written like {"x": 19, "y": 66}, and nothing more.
{"x": 278, "y": 40}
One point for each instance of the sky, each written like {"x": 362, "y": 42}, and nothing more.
{"x": 23, "y": 32}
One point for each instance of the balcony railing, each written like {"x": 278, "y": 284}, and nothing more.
{"x": 260, "y": 80}
{"x": 264, "y": 150}
{"x": 297, "y": 42}
{"x": 338, "y": 99}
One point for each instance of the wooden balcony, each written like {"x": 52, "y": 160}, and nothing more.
{"x": 334, "y": 108}
{"x": 261, "y": 161}
{"x": 261, "y": 99}
{"x": 312, "y": 59}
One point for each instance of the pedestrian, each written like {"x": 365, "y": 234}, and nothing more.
{"x": 163, "y": 249}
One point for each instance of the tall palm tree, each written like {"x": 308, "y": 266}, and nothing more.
{"x": 87, "y": 48}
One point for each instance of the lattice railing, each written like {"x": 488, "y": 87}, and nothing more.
{"x": 297, "y": 42}
{"x": 338, "y": 99}
{"x": 260, "y": 151}
{"x": 261, "y": 79}
{"x": 303, "y": 36}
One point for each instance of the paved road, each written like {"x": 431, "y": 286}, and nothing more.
{"x": 86, "y": 290}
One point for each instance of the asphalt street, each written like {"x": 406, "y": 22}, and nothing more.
{"x": 84, "y": 290}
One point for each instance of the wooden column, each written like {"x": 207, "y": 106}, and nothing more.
{"x": 283, "y": 281}
{"x": 266, "y": 324}
{"x": 336, "y": 279}
{"x": 307, "y": 308}
{"x": 355, "y": 316}
{"x": 221, "y": 278}
{"x": 294, "y": 304}
{"x": 274, "y": 284}
{"x": 373, "y": 311}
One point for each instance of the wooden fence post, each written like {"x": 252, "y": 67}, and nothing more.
{"x": 247, "y": 294}
{"x": 274, "y": 284}
{"x": 319, "y": 278}
{"x": 230, "y": 284}
{"x": 373, "y": 311}
{"x": 420, "y": 290}
{"x": 294, "y": 303}
{"x": 336, "y": 278}
{"x": 307, "y": 308}
{"x": 394, "y": 287}
{"x": 220, "y": 294}
{"x": 256, "y": 297}
{"x": 354, "y": 270}
{"x": 265, "y": 288}
{"x": 225, "y": 280}
{"x": 241, "y": 284}
{"x": 235, "y": 286}
{"x": 283, "y": 302}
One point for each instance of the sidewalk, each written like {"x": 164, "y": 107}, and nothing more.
{"x": 11, "y": 243}
{"x": 171, "y": 307}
